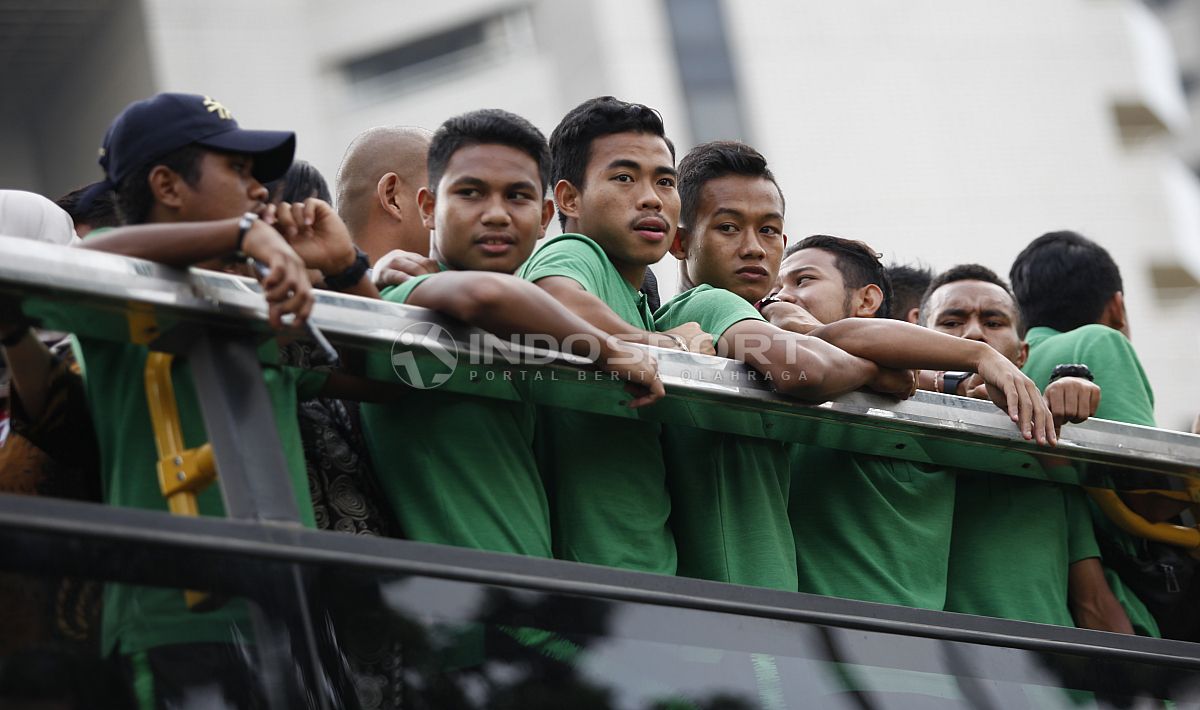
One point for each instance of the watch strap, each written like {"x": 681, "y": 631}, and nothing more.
{"x": 353, "y": 273}
{"x": 951, "y": 381}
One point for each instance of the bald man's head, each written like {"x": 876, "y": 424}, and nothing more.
{"x": 376, "y": 189}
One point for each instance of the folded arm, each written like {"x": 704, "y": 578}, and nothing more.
{"x": 799, "y": 366}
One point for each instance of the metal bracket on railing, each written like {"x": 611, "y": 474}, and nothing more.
{"x": 182, "y": 473}
{"x": 1178, "y": 535}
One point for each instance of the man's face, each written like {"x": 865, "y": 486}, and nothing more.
{"x": 736, "y": 240}
{"x": 628, "y": 203}
{"x": 490, "y": 209}
{"x": 226, "y": 189}
{"x": 811, "y": 278}
{"x": 977, "y": 310}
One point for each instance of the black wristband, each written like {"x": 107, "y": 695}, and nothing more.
{"x": 244, "y": 224}
{"x": 352, "y": 275}
{"x": 16, "y": 336}
{"x": 951, "y": 381}
{"x": 1072, "y": 370}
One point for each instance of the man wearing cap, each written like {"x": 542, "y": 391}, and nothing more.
{"x": 188, "y": 183}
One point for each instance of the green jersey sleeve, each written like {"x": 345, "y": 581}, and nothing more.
{"x": 308, "y": 382}
{"x": 715, "y": 309}
{"x": 1125, "y": 394}
{"x": 1081, "y": 536}
{"x": 573, "y": 256}
{"x": 400, "y": 293}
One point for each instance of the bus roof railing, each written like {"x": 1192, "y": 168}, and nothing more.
{"x": 112, "y": 297}
{"x": 218, "y": 322}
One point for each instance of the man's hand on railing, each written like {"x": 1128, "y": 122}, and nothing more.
{"x": 286, "y": 285}
{"x": 894, "y": 383}
{"x": 636, "y": 366}
{"x": 321, "y": 238}
{"x": 1015, "y": 393}
{"x": 316, "y": 233}
{"x": 1071, "y": 399}
{"x": 694, "y": 337}
{"x": 398, "y": 266}
{"x": 789, "y": 315}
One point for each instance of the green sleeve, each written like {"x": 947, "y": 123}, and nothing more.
{"x": 576, "y": 259}
{"x": 1081, "y": 538}
{"x": 715, "y": 309}
{"x": 308, "y": 382}
{"x": 400, "y": 293}
{"x": 1125, "y": 394}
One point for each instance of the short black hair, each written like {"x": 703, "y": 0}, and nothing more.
{"x": 99, "y": 212}
{"x": 716, "y": 159}
{"x": 909, "y": 284}
{"x": 967, "y": 272}
{"x": 133, "y": 196}
{"x": 487, "y": 126}
{"x": 571, "y": 141}
{"x": 1063, "y": 280}
{"x": 301, "y": 181}
{"x": 858, "y": 263}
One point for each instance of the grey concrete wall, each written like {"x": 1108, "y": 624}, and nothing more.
{"x": 106, "y": 74}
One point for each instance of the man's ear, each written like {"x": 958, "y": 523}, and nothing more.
{"x": 679, "y": 244}
{"x": 567, "y": 197}
{"x": 1022, "y": 354}
{"x": 547, "y": 215}
{"x": 427, "y": 202}
{"x": 867, "y": 301}
{"x": 385, "y": 192}
{"x": 166, "y": 186}
{"x": 1114, "y": 315}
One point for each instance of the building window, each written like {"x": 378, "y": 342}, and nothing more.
{"x": 1190, "y": 81}
{"x": 455, "y": 50}
{"x": 706, "y": 72}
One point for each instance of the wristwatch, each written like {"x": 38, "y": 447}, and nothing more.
{"x": 352, "y": 275}
{"x": 1072, "y": 370}
{"x": 951, "y": 381}
{"x": 244, "y": 224}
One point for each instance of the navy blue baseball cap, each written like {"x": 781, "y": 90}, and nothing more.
{"x": 150, "y": 129}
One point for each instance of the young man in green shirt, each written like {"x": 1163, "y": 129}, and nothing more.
{"x": 1021, "y": 548}
{"x": 729, "y": 493}
{"x": 1071, "y": 297}
{"x": 869, "y": 527}
{"x": 472, "y": 480}
{"x": 614, "y": 183}
{"x": 189, "y": 185}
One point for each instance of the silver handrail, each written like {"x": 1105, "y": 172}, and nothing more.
{"x": 95, "y": 295}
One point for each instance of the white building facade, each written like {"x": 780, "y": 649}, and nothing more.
{"x": 940, "y": 131}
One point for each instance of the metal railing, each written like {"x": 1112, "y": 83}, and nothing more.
{"x": 219, "y": 323}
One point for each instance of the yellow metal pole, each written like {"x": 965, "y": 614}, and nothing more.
{"x": 182, "y": 473}
{"x": 1134, "y": 524}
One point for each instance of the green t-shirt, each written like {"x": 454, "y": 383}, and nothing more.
{"x": 1014, "y": 540}
{"x": 458, "y": 469}
{"x": 871, "y": 528}
{"x": 605, "y": 474}
{"x": 1125, "y": 396}
{"x": 729, "y": 494}
{"x": 140, "y": 618}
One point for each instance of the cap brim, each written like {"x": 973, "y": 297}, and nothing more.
{"x": 272, "y": 150}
